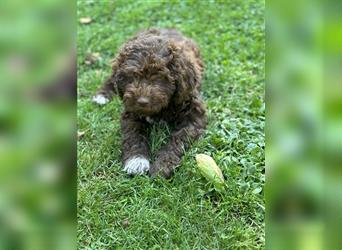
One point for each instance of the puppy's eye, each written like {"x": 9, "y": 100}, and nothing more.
{"x": 120, "y": 77}
{"x": 125, "y": 78}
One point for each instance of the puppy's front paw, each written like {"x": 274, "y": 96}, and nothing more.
{"x": 137, "y": 165}
{"x": 100, "y": 99}
{"x": 160, "y": 170}
{"x": 164, "y": 165}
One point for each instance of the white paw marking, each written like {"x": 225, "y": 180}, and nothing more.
{"x": 137, "y": 165}
{"x": 100, "y": 99}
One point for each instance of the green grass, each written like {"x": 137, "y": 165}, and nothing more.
{"x": 115, "y": 211}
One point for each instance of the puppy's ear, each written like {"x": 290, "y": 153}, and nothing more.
{"x": 112, "y": 79}
{"x": 115, "y": 77}
{"x": 184, "y": 73}
{"x": 166, "y": 53}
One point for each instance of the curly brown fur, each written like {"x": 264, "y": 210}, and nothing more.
{"x": 157, "y": 74}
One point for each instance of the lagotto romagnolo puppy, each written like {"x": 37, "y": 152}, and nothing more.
{"x": 157, "y": 74}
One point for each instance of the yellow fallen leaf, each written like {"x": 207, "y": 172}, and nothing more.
{"x": 210, "y": 171}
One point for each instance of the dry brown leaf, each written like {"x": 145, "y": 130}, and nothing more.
{"x": 80, "y": 134}
{"x": 92, "y": 58}
{"x": 125, "y": 223}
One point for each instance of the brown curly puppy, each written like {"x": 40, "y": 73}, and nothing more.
{"x": 158, "y": 75}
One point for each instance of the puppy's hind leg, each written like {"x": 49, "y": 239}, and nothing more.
{"x": 105, "y": 93}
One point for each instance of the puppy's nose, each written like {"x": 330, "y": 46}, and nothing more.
{"x": 143, "y": 100}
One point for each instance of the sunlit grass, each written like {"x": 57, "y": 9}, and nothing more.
{"x": 184, "y": 212}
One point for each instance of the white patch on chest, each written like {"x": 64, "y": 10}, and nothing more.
{"x": 149, "y": 119}
{"x": 100, "y": 99}
{"x": 137, "y": 165}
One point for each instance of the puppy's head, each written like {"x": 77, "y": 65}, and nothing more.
{"x": 150, "y": 74}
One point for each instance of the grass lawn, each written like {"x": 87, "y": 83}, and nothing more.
{"x": 115, "y": 211}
